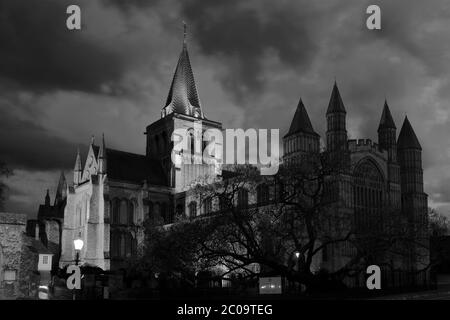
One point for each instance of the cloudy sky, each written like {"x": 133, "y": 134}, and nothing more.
{"x": 252, "y": 62}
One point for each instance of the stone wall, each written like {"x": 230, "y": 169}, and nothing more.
{"x": 12, "y": 232}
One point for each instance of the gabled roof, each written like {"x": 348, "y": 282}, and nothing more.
{"x": 407, "y": 138}
{"x": 301, "y": 121}
{"x": 183, "y": 97}
{"x": 386, "y": 121}
{"x": 132, "y": 167}
{"x": 335, "y": 104}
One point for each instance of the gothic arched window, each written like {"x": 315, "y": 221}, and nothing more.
{"x": 128, "y": 244}
{"x": 156, "y": 147}
{"x": 156, "y": 211}
{"x": 242, "y": 200}
{"x": 116, "y": 244}
{"x": 115, "y": 211}
{"x": 262, "y": 194}
{"x": 191, "y": 142}
{"x": 123, "y": 212}
{"x": 150, "y": 210}
{"x": 130, "y": 213}
{"x": 207, "y": 206}
{"x": 122, "y": 246}
{"x": 192, "y": 209}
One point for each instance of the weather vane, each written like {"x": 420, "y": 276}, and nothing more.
{"x": 184, "y": 32}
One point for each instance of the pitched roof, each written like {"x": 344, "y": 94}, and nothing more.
{"x": 183, "y": 97}
{"x": 335, "y": 104}
{"x": 132, "y": 167}
{"x": 386, "y": 120}
{"x": 301, "y": 121}
{"x": 407, "y": 138}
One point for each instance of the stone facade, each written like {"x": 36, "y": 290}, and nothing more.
{"x": 115, "y": 191}
{"x": 19, "y": 254}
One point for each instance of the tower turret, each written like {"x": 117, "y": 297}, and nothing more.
{"x": 102, "y": 157}
{"x": 47, "y": 198}
{"x": 77, "y": 171}
{"x": 414, "y": 200}
{"x": 387, "y": 139}
{"x": 61, "y": 191}
{"x": 336, "y": 124}
{"x": 410, "y": 159}
{"x": 387, "y": 132}
{"x": 301, "y": 138}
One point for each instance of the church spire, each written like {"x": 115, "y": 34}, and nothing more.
{"x": 407, "y": 138}
{"x": 301, "y": 121}
{"x": 102, "y": 157}
{"x": 77, "y": 169}
{"x": 386, "y": 121}
{"x": 47, "y": 198}
{"x": 336, "y": 122}
{"x": 184, "y": 33}
{"x": 183, "y": 97}
{"x": 61, "y": 191}
{"x": 335, "y": 104}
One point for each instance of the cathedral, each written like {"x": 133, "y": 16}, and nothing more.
{"x": 114, "y": 191}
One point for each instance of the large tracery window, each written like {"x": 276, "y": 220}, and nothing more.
{"x": 193, "y": 209}
{"x": 122, "y": 211}
{"x": 368, "y": 195}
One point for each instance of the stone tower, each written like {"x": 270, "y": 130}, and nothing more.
{"x": 387, "y": 138}
{"x": 414, "y": 200}
{"x": 336, "y": 123}
{"x": 182, "y": 111}
{"x": 301, "y": 138}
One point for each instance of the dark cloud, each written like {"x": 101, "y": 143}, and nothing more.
{"x": 242, "y": 36}
{"x": 440, "y": 190}
{"x": 25, "y": 144}
{"x": 40, "y": 53}
{"x": 252, "y": 61}
{"x": 131, "y": 4}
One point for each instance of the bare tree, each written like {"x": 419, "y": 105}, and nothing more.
{"x": 288, "y": 230}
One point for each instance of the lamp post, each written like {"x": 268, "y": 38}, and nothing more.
{"x": 78, "y": 245}
{"x": 297, "y": 256}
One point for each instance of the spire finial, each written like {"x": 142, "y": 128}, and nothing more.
{"x": 92, "y": 139}
{"x": 184, "y": 32}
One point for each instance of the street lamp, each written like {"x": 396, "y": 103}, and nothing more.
{"x": 78, "y": 244}
{"x": 297, "y": 256}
